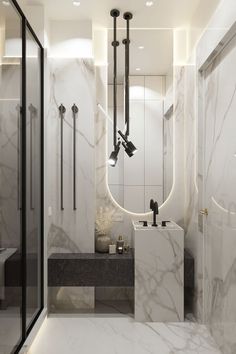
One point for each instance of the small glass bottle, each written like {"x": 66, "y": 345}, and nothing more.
{"x": 120, "y": 245}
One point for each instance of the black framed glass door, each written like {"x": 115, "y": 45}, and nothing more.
{"x": 21, "y": 177}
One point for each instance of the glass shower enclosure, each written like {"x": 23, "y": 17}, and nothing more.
{"x": 21, "y": 177}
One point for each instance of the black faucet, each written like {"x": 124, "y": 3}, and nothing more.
{"x": 155, "y": 209}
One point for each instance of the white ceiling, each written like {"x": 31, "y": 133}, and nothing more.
{"x": 155, "y": 59}
{"x": 157, "y": 56}
{"x": 164, "y": 13}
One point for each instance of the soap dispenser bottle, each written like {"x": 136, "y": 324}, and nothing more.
{"x": 120, "y": 245}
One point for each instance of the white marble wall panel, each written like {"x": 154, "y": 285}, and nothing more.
{"x": 193, "y": 238}
{"x": 72, "y": 81}
{"x": 10, "y": 88}
{"x": 216, "y": 174}
{"x": 159, "y": 287}
{"x": 220, "y": 196}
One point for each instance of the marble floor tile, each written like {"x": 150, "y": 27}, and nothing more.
{"x": 109, "y": 334}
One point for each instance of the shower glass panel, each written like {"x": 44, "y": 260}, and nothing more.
{"x": 33, "y": 177}
{"x": 10, "y": 181}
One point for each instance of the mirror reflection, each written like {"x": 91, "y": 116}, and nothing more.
{"x": 148, "y": 174}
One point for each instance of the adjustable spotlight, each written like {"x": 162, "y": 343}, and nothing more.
{"x": 129, "y": 147}
{"x": 114, "y": 155}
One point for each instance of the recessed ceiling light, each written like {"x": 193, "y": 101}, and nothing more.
{"x": 138, "y": 69}
{"x": 5, "y": 3}
{"x": 140, "y": 47}
{"x": 76, "y": 3}
{"x": 149, "y": 3}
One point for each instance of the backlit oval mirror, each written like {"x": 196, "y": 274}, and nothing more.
{"x": 149, "y": 173}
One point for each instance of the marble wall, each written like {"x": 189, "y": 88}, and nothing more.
{"x": 193, "y": 237}
{"x": 209, "y": 111}
{"x": 71, "y": 81}
{"x": 220, "y": 197}
{"x": 10, "y": 93}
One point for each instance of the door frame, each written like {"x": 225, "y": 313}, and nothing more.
{"x": 25, "y": 25}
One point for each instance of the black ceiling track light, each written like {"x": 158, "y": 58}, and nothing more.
{"x": 129, "y": 147}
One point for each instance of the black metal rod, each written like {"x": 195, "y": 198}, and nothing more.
{"x": 75, "y": 111}
{"x": 24, "y": 185}
{"x": 33, "y": 113}
{"x": 19, "y": 113}
{"x": 62, "y": 111}
{"x": 115, "y": 13}
{"x": 127, "y": 16}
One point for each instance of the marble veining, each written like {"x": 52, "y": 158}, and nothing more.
{"x": 159, "y": 275}
{"x": 72, "y": 81}
{"x": 120, "y": 335}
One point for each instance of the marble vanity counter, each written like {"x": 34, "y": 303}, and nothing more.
{"x": 159, "y": 273}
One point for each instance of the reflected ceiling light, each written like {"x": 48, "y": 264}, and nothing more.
{"x": 141, "y": 47}
{"x": 114, "y": 155}
{"x": 5, "y": 3}
{"x": 76, "y": 3}
{"x": 129, "y": 147}
{"x": 149, "y": 3}
{"x": 138, "y": 69}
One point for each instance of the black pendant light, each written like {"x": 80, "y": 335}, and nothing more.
{"x": 116, "y": 144}
{"x": 129, "y": 147}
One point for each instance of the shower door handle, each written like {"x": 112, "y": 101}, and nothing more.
{"x": 62, "y": 111}
{"x": 75, "y": 111}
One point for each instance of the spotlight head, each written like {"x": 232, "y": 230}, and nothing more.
{"x": 130, "y": 149}
{"x": 114, "y": 156}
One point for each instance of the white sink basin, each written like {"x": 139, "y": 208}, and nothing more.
{"x": 159, "y": 272}
{"x": 170, "y": 225}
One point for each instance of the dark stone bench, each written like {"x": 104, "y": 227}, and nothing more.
{"x": 102, "y": 270}
{"x": 91, "y": 269}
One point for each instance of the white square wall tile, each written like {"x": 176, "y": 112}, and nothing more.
{"x": 154, "y": 87}
{"x": 136, "y": 90}
{"x": 134, "y": 166}
{"x": 134, "y": 198}
{"x": 154, "y": 143}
